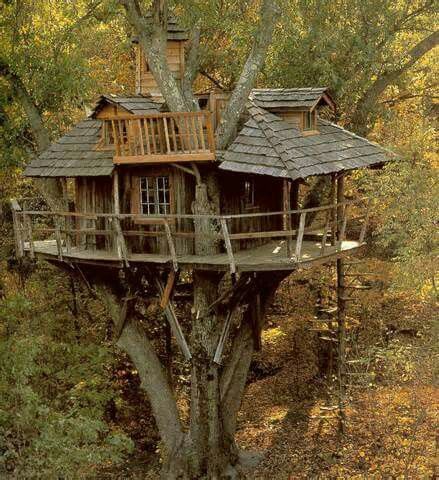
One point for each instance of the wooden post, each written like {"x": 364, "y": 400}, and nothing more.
{"x": 171, "y": 246}
{"x": 340, "y": 208}
{"x": 28, "y": 223}
{"x": 333, "y": 196}
{"x": 300, "y": 236}
{"x": 58, "y": 237}
{"x": 325, "y": 233}
{"x": 228, "y": 245}
{"x": 17, "y": 228}
{"x": 295, "y": 193}
{"x": 286, "y": 201}
{"x": 67, "y": 220}
{"x": 116, "y": 210}
{"x": 341, "y": 307}
{"x": 341, "y": 337}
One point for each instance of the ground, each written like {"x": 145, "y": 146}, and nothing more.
{"x": 392, "y": 417}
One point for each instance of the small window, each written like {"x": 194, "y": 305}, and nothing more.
{"x": 155, "y": 195}
{"x": 309, "y": 120}
{"x": 249, "y": 194}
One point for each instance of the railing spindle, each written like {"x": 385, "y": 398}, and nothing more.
{"x": 142, "y": 148}
{"x": 195, "y": 134}
{"x": 201, "y": 130}
{"x": 228, "y": 245}
{"x": 300, "y": 236}
{"x": 153, "y": 135}
{"x": 165, "y": 126}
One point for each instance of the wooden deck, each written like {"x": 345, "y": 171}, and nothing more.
{"x": 269, "y": 257}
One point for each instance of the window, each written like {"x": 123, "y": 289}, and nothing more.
{"x": 155, "y": 195}
{"x": 249, "y": 193}
{"x": 308, "y": 120}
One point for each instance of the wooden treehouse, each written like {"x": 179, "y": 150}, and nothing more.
{"x": 130, "y": 171}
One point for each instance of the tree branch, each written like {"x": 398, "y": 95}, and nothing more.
{"x": 51, "y": 188}
{"x": 227, "y": 126}
{"x": 152, "y": 38}
{"x": 192, "y": 66}
{"x": 364, "y": 106}
{"x": 136, "y": 344}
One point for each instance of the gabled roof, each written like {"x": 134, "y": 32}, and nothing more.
{"x": 268, "y": 145}
{"x": 135, "y": 104}
{"x": 175, "y": 31}
{"x": 286, "y": 98}
{"x": 74, "y": 154}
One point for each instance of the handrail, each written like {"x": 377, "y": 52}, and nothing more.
{"x": 122, "y": 216}
{"x": 86, "y": 236}
{"x": 200, "y": 113}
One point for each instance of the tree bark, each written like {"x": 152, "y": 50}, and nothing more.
{"x": 152, "y": 38}
{"x": 51, "y": 188}
{"x": 359, "y": 119}
{"x": 236, "y": 105}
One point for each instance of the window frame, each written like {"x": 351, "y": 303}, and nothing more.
{"x": 309, "y": 115}
{"x": 249, "y": 194}
{"x": 158, "y": 191}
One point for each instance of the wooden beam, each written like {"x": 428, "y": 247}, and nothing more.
{"x": 223, "y": 338}
{"x": 164, "y": 158}
{"x": 168, "y": 289}
{"x": 228, "y": 245}
{"x": 286, "y": 201}
{"x": 300, "y": 236}
{"x": 173, "y": 323}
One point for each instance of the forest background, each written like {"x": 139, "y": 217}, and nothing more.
{"x": 69, "y": 401}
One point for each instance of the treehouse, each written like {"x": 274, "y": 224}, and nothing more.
{"x": 130, "y": 172}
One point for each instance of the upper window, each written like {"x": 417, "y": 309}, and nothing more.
{"x": 309, "y": 120}
{"x": 155, "y": 195}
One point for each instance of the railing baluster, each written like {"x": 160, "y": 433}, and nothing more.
{"x": 174, "y": 137}
{"x": 142, "y": 148}
{"x": 201, "y": 130}
{"x": 148, "y": 145}
{"x": 153, "y": 135}
{"x": 165, "y": 126}
{"x": 210, "y": 134}
{"x": 300, "y": 236}
{"x": 187, "y": 133}
{"x": 195, "y": 134}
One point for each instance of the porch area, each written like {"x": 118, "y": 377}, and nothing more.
{"x": 108, "y": 238}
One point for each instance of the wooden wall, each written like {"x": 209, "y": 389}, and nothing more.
{"x": 268, "y": 198}
{"x": 145, "y": 83}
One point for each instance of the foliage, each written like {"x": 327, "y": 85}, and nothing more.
{"x": 54, "y": 389}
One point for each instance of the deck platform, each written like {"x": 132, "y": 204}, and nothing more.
{"x": 269, "y": 257}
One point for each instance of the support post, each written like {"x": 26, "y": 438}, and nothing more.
{"x": 341, "y": 337}
{"x": 333, "y": 196}
{"x": 228, "y": 245}
{"x": 17, "y": 228}
{"x": 287, "y": 216}
{"x": 300, "y": 236}
{"x": 340, "y": 207}
{"x": 295, "y": 193}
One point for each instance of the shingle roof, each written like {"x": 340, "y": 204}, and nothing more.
{"x": 135, "y": 104}
{"x": 74, "y": 154}
{"x": 274, "y": 98}
{"x": 268, "y": 145}
{"x": 175, "y": 31}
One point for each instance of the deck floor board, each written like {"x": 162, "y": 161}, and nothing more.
{"x": 271, "y": 256}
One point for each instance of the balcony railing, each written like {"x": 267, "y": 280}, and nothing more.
{"x": 162, "y": 137}
{"x": 304, "y": 235}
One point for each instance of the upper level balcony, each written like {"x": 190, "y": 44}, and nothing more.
{"x": 160, "y": 137}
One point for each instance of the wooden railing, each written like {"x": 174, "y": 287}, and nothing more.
{"x": 328, "y": 229}
{"x": 162, "y": 137}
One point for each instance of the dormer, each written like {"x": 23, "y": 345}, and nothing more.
{"x": 175, "y": 45}
{"x": 297, "y": 106}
